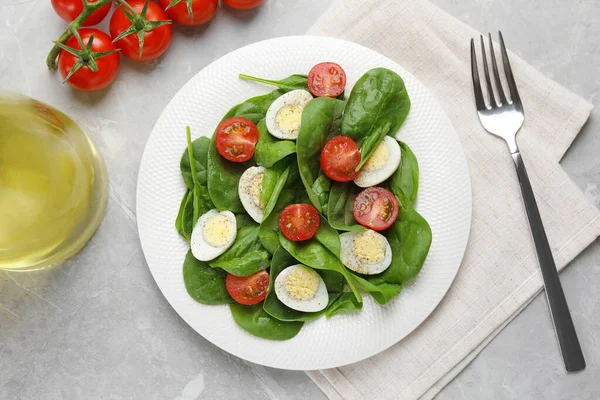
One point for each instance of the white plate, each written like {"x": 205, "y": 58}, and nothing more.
{"x": 444, "y": 200}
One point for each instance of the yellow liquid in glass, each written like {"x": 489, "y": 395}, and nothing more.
{"x": 52, "y": 186}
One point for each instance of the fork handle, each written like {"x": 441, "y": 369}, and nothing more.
{"x": 559, "y": 310}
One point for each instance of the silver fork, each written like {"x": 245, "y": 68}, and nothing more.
{"x": 504, "y": 117}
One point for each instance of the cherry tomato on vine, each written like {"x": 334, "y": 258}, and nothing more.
{"x": 139, "y": 16}
{"x": 202, "y": 11}
{"x": 250, "y": 289}
{"x": 243, "y": 4}
{"x": 339, "y": 159}
{"x": 376, "y": 208}
{"x": 236, "y": 139}
{"x": 299, "y": 222}
{"x": 70, "y": 9}
{"x": 101, "y": 56}
{"x": 327, "y": 80}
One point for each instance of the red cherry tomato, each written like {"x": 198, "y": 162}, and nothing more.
{"x": 236, "y": 139}
{"x": 299, "y": 222}
{"x": 376, "y": 208}
{"x": 85, "y": 79}
{"x": 250, "y": 289}
{"x": 70, "y": 9}
{"x": 156, "y": 41}
{"x": 202, "y": 11}
{"x": 339, "y": 159}
{"x": 327, "y": 80}
{"x": 243, "y": 4}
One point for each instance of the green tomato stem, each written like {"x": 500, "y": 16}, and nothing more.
{"x": 88, "y": 9}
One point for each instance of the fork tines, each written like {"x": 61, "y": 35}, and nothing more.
{"x": 493, "y": 100}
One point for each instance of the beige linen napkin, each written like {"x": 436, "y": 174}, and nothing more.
{"x": 499, "y": 275}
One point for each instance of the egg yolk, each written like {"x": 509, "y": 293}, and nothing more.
{"x": 378, "y": 159}
{"x": 288, "y": 119}
{"x": 218, "y": 231}
{"x": 302, "y": 283}
{"x": 369, "y": 247}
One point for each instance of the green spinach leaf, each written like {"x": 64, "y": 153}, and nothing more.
{"x": 269, "y": 228}
{"x": 273, "y": 183}
{"x": 201, "y": 201}
{"x": 377, "y": 106}
{"x": 281, "y": 260}
{"x": 381, "y": 290}
{"x": 256, "y": 321}
{"x": 183, "y": 223}
{"x": 345, "y": 303}
{"x": 200, "y": 153}
{"x": 246, "y": 256}
{"x": 321, "y": 187}
{"x": 269, "y": 149}
{"x": 321, "y": 121}
{"x": 204, "y": 284}
{"x": 340, "y": 210}
{"x": 224, "y": 176}
{"x": 292, "y": 82}
{"x": 410, "y": 238}
{"x": 406, "y": 177}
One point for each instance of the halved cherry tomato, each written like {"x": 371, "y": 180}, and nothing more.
{"x": 236, "y": 139}
{"x": 156, "y": 41}
{"x": 299, "y": 222}
{"x": 243, "y": 4}
{"x": 339, "y": 159}
{"x": 202, "y": 11}
{"x": 70, "y": 9}
{"x": 376, "y": 208}
{"x": 250, "y": 289}
{"x": 327, "y": 80}
{"x": 84, "y": 78}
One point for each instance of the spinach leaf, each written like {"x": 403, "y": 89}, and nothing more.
{"x": 321, "y": 119}
{"x": 377, "y": 106}
{"x": 345, "y": 303}
{"x": 201, "y": 201}
{"x": 269, "y": 149}
{"x": 328, "y": 237}
{"x": 410, "y": 238}
{"x": 340, "y": 210}
{"x": 281, "y": 260}
{"x": 204, "y": 284}
{"x": 200, "y": 154}
{"x": 246, "y": 256}
{"x": 183, "y": 223}
{"x": 269, "y": 228}
{"x": 321, "y": 187}
{"x": 243, "y": 220}
{"x": 273, "y": 183}
{"x": 292, "y": 82}
{"x": 224, "y": 176}
{"x": 406, "y": 177}
{"x": 316, "y": 255}
{"x": 377, "y": 286}
{"x": 256, "y": 321}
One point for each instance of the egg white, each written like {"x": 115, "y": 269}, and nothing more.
{"x": 317, "y": 303}
{"x": 298, "y": 98}
{"x": 370, "y": 175}
{"x": 353, "y": 262}
{"x": 250, "y": 196}
{"x": 201, "y": 249}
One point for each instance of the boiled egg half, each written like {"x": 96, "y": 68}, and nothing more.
{"x": 250, "y": 190}
{"x": 301, "y": 288}
{"x": 213, "y": 234}
{"x": 381, "y": 165}
{"x": 285, "y": 114}
{"x": 367, "y": 252}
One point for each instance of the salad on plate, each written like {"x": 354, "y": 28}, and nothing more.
{"x": 302, "y": 202}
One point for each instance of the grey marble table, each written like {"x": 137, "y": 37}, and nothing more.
{"x": 98, "y": 327}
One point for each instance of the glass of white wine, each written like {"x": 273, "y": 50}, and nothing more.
{"x": 53, "y": 185}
